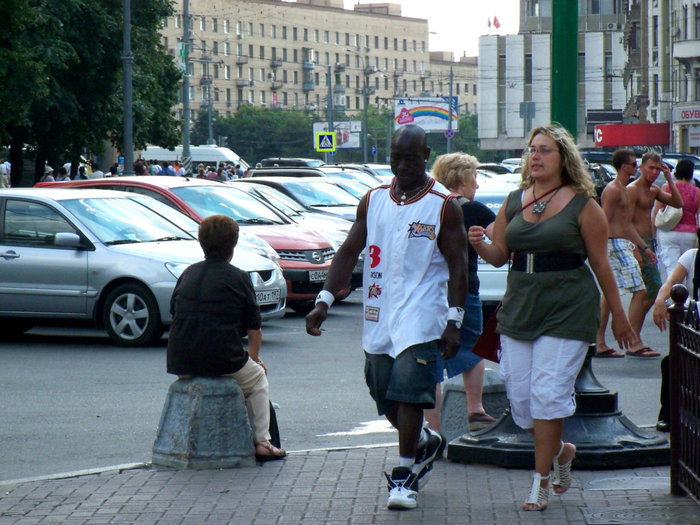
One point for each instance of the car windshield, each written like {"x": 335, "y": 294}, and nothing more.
{"x": 358, "y": 176}
{"x": 320, "y": 193}
{"x": 354, "y": 188}
{"x": 212, "y": 200}
{"x": 171, "y": 214}
{"x": 123, "y": 221}
{"x": 279, "y": 200}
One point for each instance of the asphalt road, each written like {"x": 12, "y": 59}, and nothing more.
{"x": 72, "y": 401}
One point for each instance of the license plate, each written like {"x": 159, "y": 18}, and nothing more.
{"x": 318, "y": 276}
{"x": 268, "y": 296}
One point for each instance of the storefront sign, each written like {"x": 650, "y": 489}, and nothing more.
{"x": 631, "y": 134}
{"x": 687, "y": 114}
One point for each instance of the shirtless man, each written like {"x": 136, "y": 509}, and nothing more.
{"x": 642, "y": 195}
{"x": 623, "y": 238}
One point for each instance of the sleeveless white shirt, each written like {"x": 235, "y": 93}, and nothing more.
{"x": 405, "y": 274}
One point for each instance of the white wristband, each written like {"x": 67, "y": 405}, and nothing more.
{"x": 326, "y": 297}
{"x": 455, "y": 313}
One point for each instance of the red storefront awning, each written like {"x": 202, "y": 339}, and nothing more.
{"x": 631, "y": 134}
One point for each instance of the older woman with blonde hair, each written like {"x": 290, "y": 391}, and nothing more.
{"x": 551, "y": 308}
{"x": 457, "y": 172}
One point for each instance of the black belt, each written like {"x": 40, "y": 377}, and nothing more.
{"x": 546, "y": 262}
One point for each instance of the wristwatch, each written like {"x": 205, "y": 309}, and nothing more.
{"x": 456, "y": 324}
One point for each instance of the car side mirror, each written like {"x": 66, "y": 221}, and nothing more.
{"x": 67, "y": 239}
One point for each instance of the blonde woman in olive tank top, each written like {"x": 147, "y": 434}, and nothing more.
{"x": 551, "y": 308}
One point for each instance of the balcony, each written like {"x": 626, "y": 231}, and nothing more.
{"x": 276, "y": 86}
{"x": 240, "y": 60}
{"x": 243, "y": 82}
{"x": 686, "y": 49}
{"x": 307, "y": 86}
{"x": 307, "y": 65}
{"x": 276, "y": 62}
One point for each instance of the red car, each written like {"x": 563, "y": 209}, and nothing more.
{"x": 304, "y": 255}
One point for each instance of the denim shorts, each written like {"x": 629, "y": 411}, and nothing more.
{"x": 410, "y": 378}
{"x": 465, "y": 360}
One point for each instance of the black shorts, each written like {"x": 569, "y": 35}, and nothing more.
{"x": 410, "y": 378}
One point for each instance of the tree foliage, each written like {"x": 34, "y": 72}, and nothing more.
{"x": 61, "y": 89}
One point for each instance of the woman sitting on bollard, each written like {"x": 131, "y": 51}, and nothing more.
{"x": 551, "y": 308}
{"x": 212, "y": 304}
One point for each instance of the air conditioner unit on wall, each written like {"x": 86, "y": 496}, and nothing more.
{"x": 612, "y": 26}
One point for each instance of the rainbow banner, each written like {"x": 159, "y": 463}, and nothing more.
{"x": 431, "y": 114}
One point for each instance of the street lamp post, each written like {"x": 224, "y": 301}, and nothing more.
{"x": 128, "y": 60}
{"x": 186, "y": 157}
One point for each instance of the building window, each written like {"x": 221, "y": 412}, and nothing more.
{"x": 347, "y": 39}
{"x": 326, "y": 36}
{"x": 250, "y": 51}
{"x": 226, "y": 26}
{"x": 306, "y": 35}
{"x": 295, "y": 77}
{"x": 284, "y": 54}
{"x": 474, "y": 89}
{"x": 295, "y": 55}
{"x": 376, "y": 42}
{"x": 396, "y": 44}
{"x": 316, "y": 35}
{"x": 528, "y": 70}
{"x": 250, "y": 29}
{"x": 273, "y": 31}
{"x": 466, "y": 88}
{"x": 178, "y": 21}
{"x": 227, "y": 49}
{"x": 262, "y": 30}
{"x": 202, "y": 24}
{"x": 215, "y": 48}
{"x": 294, "y": 34}
{"x": 215, "y": 25}
{"x": 386, "y": 42}
{"x": 239, "y": 28}
{"x": 262, "y": 52}
{"x": 227, "y": 72}
{"x": 422, "y": 46}
{"x": 405, "y": 45}
{"x": 216, "y": 95}
{"x": 284, "y": 32}
{"x": 284, "y": 76}
{"x": 216, "y": 70}
{"x": 262, "y": 74}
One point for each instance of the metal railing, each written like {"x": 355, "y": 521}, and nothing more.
{"x": 684, "y": 387}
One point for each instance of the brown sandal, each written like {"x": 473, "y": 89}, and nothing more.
{"x": 273, "y": 454}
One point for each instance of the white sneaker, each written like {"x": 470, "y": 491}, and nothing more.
{"x": 403, "y": 489}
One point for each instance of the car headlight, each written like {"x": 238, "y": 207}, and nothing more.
{"x": 263, "y": 248}
{"x": 335, "y": 238}
{"x": 176, "y": 269}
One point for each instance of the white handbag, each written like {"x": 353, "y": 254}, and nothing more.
{"x": 668, "y": 218}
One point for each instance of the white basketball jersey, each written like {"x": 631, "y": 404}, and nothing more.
{"x": 405, "y": 274}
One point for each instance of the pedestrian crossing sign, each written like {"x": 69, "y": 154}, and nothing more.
{"x": 325, "y": 141}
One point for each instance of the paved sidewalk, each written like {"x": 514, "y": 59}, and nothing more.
{"x": 338, "y": 487}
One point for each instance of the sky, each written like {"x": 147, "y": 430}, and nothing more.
{"x": 457, "y": 24}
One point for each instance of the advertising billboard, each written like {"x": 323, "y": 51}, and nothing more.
{"x": 431, "y": 114}
{"x": 347, "y": 133}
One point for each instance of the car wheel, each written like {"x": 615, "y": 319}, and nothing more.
{"x": 301, "y": 307}
{"x": 130, "y": 316}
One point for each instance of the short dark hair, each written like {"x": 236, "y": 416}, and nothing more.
{"x": 62, "y": 170}
{"x": 651, "y": 156}
{"x": 621, "y": 156}
{"x": 218, "y": 236}
{"x": 684, "y": 169}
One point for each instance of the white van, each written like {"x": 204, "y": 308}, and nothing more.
{"x": 207, "y": 155}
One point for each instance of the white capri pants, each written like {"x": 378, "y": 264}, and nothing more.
{"x": 539, "y": 376}
{"x": 672, "y": 245}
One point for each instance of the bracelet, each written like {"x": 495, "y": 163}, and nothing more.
{"x": 455, "y": 313}
{"x": 326, "y": 297}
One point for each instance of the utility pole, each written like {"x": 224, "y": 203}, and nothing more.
{"x": 331, "y": 124}
{"x": 365, "y": 92}
{"x": 449, "y": 116}
{"x": 128, "y": 61}
{"x": 564, "y": 88}
{"x": 186, "y": 36}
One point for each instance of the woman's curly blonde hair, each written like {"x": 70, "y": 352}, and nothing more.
{"x": 454, "y": 169}
{"x": 574, "y": 172}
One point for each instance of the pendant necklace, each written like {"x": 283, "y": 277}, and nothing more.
{"x": 539, "y": 206}
{"x": 411, "y": 193}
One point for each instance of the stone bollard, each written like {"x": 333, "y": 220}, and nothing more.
{"x": 454, "y": 419}
{"x": 204, "y": 424}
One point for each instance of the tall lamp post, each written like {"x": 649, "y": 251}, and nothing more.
{"x": 366, "y": 72}
{"x": 128, "y": 60}
{"x": 186, "y": 37}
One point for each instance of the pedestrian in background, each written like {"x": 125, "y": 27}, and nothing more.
{"x": 643, "y": 193}
{"x": 457, "y": 172}
{"x": 551, "y": 307}
{"x": 414, "y": 288}
{"x": 683, "y": 236}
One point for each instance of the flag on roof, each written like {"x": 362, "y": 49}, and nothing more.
{"x": 488, "y": 22}
{"x": 496, "y": 23}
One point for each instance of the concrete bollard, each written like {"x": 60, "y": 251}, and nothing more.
{"x": 204, "y": 424}
{"x": 454, "y": 419}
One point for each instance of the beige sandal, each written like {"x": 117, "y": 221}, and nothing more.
{"x": 274, "y": 452}
{"x": 538, "y": 494}
{"x": 561, "y": 479}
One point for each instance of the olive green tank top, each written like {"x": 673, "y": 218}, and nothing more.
{"x": 564, "y": 304}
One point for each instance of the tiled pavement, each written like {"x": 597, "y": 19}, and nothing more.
{"x": 338, "y": 487}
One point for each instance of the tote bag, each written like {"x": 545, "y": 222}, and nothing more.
{"x": 668, "y": 218}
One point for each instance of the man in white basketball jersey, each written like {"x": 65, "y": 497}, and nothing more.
{"x": 414, "y": 284}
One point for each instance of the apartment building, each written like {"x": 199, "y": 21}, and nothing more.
{"x": 292, "y": 55}
{"x": 638, "y": 62}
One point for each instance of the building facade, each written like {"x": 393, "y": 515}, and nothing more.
{"x": 638, "y": 62}
{"x": 293, "y": 55}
